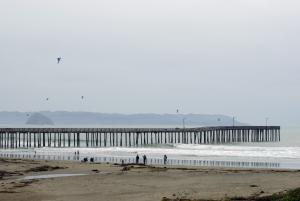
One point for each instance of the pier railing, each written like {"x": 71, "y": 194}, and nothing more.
{"x": 119, "y": 137}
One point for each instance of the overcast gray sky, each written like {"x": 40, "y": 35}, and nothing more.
{"x": 233, "y": 57}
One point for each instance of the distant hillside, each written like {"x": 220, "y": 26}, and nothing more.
{"x": 39, "y": 119}
{"x": 89, "y": 118}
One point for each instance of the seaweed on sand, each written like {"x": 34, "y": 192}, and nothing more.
{"x": 44, "y": 168}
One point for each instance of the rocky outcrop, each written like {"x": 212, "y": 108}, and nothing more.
{"x": 39, "y": 119}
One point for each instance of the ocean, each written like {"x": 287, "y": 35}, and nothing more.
{"x": 284, "y": 154}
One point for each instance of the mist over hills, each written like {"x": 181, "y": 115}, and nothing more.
{"x": 91, "y": 118}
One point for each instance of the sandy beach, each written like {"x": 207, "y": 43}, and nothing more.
{"x": 110, "y": 182}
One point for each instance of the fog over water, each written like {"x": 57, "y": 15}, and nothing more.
{"x": 238, "y": 58}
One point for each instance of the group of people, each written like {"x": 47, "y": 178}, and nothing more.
{"x": 137, "y": 159}
{"x": 86, "y": 160}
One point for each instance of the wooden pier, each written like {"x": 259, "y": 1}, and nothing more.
{"x": 128, "y": 137}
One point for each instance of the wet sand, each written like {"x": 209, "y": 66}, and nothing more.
{"x": 109, "y": 182}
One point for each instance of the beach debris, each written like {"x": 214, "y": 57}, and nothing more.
{"x": 44, "y": 168}
{"x": 126, "y": 168}
{"x": 6, "y": 174}
{"x": 8, "y": 191}
{"x": 158, "y": 169}
{"x": 24, "y": 183}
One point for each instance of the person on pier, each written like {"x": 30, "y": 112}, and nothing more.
{"x": 137, "y": 158}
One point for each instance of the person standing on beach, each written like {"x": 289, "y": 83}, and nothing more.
{"x": 145, "y": 159}
{"x": 165, "y": 159}
{"x": 137, "y": 158}
{"x": 77, "y": 154}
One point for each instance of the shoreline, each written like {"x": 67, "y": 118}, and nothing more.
{"x": 101, "y": 181}
{"x": 196, "y": 163}
{"x": 154, "y": 159}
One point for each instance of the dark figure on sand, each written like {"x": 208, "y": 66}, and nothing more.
{"x": 165, "y": 159}
{"x": 137, "y": 158}
{"x": 145, "y": 159}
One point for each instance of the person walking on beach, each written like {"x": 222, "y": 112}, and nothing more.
{"x": 165, "y": 159}
{"x": 145, "y": 159}
{"x": 137, "y": 158}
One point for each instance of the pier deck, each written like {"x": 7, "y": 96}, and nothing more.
{"x": 118, "y": 137}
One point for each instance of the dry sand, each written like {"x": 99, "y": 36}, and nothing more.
{"x": 109, "y": 182}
